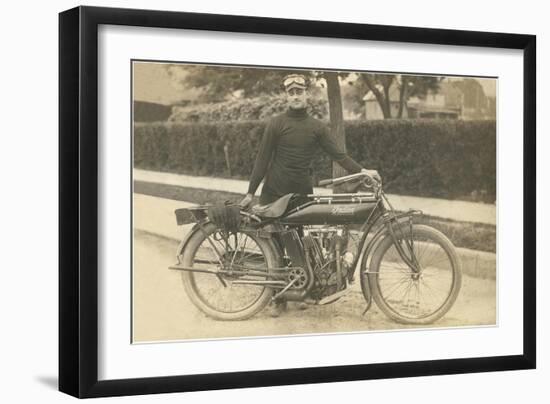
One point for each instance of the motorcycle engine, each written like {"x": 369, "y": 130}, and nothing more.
{"x": 324, "y": 246}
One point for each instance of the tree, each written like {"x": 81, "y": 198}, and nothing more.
{"x": 336, "y": 116}
{"x": 379, "y": 85}
{"x": 408, "y": 86}
{"x": 415, "y": 86}
{"x": 218, "y": 83}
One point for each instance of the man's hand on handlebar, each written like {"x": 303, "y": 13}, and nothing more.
{"x": 370, "y": 177}
{"x": 372, "y": 174}
{"x": 246, "y": 201}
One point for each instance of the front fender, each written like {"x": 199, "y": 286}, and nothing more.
{"x": 402, "y": 220}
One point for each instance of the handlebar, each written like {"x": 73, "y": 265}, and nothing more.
{"x": 340, "y": 180}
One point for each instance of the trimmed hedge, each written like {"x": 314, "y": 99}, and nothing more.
{"x": 434, "y": 158}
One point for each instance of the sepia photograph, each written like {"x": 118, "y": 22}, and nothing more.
{"x": 272, "y": 201}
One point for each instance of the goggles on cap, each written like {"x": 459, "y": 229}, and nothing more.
{"x": 294, "y": 79}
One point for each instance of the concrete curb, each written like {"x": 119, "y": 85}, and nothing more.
{"x": 156, "y": 216}
{"x": 447, "y": 209}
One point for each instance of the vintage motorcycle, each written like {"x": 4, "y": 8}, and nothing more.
{"x": 308, "y": 247}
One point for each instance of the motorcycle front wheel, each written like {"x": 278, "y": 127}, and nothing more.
{"x": 419, "y": 296}
{"x": 221, "y": 296}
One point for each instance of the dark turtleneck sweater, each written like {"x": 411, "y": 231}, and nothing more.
{"x": 289, "y": 145}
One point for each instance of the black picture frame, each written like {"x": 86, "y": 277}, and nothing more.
{"x": 78, "y": 201}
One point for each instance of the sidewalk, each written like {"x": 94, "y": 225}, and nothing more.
{"x": 156, "y": 216}
{"x": 448, "y": 209}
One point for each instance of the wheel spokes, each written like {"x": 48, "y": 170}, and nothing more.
{"x": 232, "y": 256}
{"x": 410, "y": 294}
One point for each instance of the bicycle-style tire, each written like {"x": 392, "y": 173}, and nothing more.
{"x": 388, "y": 274}
{"x": 192, "y": 281}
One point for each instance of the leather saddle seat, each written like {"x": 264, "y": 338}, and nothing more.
{"x": 275, "y": 209}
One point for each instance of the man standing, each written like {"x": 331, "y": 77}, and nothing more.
{"x": 289, "y": 144}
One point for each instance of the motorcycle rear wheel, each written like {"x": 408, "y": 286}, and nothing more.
{"x": 409, "y": 297}
{"x": 217, "y": 296}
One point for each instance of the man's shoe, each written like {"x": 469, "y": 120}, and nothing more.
{"x": 301, "y": 306}
{"x": 277, "y": 308}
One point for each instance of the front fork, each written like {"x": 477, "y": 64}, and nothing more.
{"x": 395, "y": 225}
{"x": 398, "y": 235}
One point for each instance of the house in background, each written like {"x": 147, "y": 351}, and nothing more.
{"x": 446, "y": 103}
{"x": 479, "y": 98}
{"x": 456, "y": 99}
{"x": 372, "y": 107}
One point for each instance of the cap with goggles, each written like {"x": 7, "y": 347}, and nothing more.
{"x": 294, "y": 81}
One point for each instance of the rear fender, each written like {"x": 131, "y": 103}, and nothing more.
{"x": 186, "y": 238}
{"x": 202, "y": 220}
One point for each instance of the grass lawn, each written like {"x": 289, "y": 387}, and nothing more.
{"x": 476, "y": 236}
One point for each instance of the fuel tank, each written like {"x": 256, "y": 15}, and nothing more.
{"x": 330, "y": 213}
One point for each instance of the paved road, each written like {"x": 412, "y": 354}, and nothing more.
{"x": 455, "y": 210}
{"x": 162, "y": 311}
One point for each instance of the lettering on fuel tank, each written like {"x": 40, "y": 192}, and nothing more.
{"x": 343, "y": 210}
